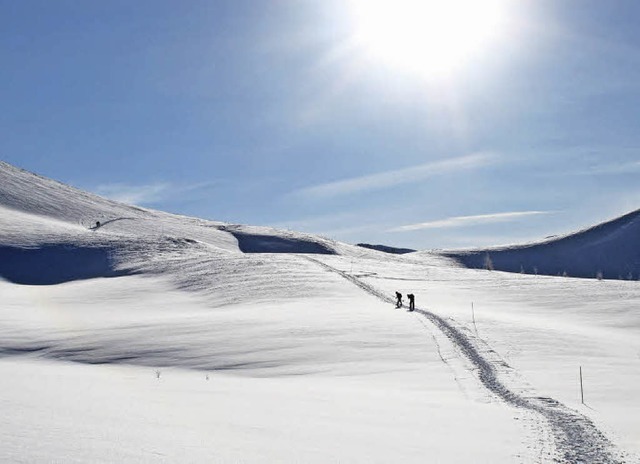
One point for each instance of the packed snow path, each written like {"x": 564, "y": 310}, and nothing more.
{"x": 577, "y": 439}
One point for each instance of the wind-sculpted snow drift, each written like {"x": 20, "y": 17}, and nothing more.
{"x": 249, "y": 242}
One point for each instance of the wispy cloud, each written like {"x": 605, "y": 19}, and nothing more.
{"x": 333, "y": 225}
{"x": 631, "y": 167}
{"x": 400, "y": 176}
{"x": 147, "y": 193}
{"x": 133, "y": 194}
{"x": 468, "y": 221}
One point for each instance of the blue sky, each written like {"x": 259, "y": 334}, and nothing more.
{"x": 262, "y": 112}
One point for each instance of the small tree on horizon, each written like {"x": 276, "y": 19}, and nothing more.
{"x": 488, "y": 264}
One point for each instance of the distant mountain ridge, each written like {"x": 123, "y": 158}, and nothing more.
{"x": 610, "y": 250}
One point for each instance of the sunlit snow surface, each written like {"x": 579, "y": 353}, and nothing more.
{"x": 179, "y": 347}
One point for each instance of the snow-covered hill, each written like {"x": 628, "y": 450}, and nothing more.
{"x": 610, "y": 250}
{"x": 52, "y": 233}
{"x": 161, "y": 338}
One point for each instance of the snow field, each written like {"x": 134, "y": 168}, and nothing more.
{"x": 83, "y": 413}
{"x": 545, "y": 328}
{"x": 338, "y": 379}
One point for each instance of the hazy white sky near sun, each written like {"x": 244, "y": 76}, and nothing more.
{"x": 379, "y": 122}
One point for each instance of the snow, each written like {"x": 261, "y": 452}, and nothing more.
{"x": 180, "y": 347}
{"x": 319, "y": 381}
{"x": 546, "y": 328}
{"x": 80, "y": 413}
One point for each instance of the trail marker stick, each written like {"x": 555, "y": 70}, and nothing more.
{"x": 473, "y": 314}
{"x": 581, "y": 389}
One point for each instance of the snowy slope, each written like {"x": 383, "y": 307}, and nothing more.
{"x": 46, "y": 226}
{"x": 214, "y": 342}
{"x": 610, "y": 250}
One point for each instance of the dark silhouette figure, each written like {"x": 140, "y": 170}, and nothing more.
{"x": 398, "y": 300}
{"x": 412, "y": 303}
{"x": 97, "y": 224}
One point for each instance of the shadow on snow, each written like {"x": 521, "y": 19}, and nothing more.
{"x": 255, "y": 243}
{"x": 55, "y": 264}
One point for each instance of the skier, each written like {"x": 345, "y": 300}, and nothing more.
{"x": 398, "y": 300}
{"x": 412, "y": 303}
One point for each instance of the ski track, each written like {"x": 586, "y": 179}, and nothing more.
{"x": 577, "y": 439}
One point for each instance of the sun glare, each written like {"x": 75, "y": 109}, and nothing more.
{"x": 431, "y": 37}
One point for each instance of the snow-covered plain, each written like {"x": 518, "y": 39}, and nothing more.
{"x": 155, "y": 338}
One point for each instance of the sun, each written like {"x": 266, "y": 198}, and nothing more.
{"x": 430, "y": 37}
